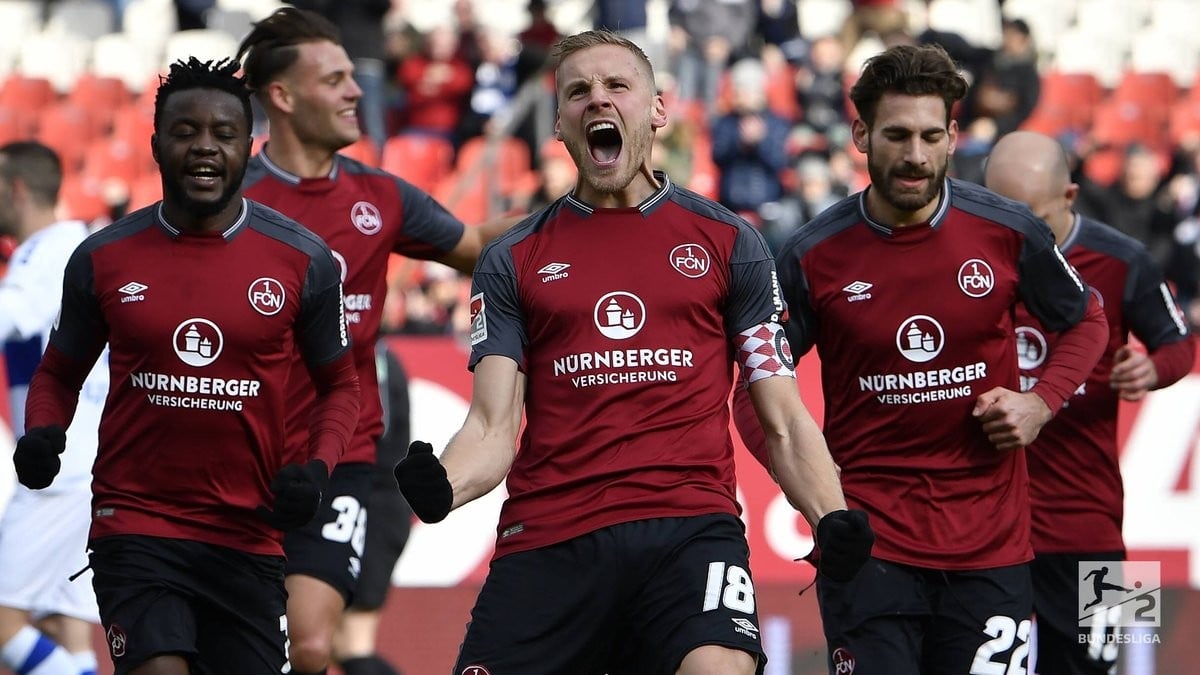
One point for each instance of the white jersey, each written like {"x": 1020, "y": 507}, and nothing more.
{"x": 30, "y": 295}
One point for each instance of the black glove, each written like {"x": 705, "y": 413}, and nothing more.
{"x": 422, "y": 481}
{"x": 36, "y": 457}
{"x": 298, "y": 489}
{"x": 844, "y": 539}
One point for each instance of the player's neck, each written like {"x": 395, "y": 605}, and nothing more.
{"x": 33, "y": 222}
{"x": 186, "y": 220}
{"x": 644, "y": 184}
{"x": 884, "y": 212}
{"x": 290, "y": 154}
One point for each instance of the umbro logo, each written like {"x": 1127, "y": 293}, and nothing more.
{"x": 132, "y": 292}
{"x": 554, "y": 271}
{"x": 745, "y": 627}
{"x": 858, "y": 291}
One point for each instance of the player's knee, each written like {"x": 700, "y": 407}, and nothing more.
{"x": 309, "y": 654}
{"x": 718, "y": 660}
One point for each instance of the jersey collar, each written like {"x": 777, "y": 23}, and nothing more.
{"x": 228, "y": 234}
{"x": 934, "y": 222}
{"x": 1072, "y": 236}
{"x": 647, "y": 206}
{"x": 293, "y": 179}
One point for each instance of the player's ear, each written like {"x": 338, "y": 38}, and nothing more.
{"x": 279, "y": 96}
{"x": 558, "y": 128}
{"x": 658, "y": 113}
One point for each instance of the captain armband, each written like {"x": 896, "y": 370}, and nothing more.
{"x": 763, "y": 351}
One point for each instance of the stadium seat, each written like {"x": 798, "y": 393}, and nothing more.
{"x": 30, "y": 94}
{"x": 1051, "y": 118}
{"x": 119, "y": 56}
{"x": 466, "y": 199}
{"x": 112, "y": 159}
{"x": 1077, "y": 94}
{"x": 61, "y": 59}
{"x": 420, "y": 159}
{"x": 1184, "y": 122}
{"x": 820, "y": 18}
{"x": 67, "y": 129}
{"x": 83, "y": 199}
{"x": 16, "y": 124}
{"x": 151, "y": 22}
{"x": 1122, "y": 123}
{"x": 1154, "y": 91}
{"x": 100, "y": 97}
{"x": 511, "y": 159}
{"x": 134, "y": 124}
{"x": 1077, "y": 51}
{"x": 146, "y": 189}
{"x": 978, "y": 21}
{"x": 1046, "y": 19}
{"x": 18, "y": 18}
{"x": 1160, "y": 50}
{"x": 1103, "y": 166}
{"x": 202, "y": 43}
{"x": 363, "y": 150}
{"x": 87, "y": 19}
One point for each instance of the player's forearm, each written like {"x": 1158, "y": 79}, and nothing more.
{"x": 478, "y": 458}
{"x": 335, "y": 413}
{"x": 1173, "y": 361}
{"x": 54, "y": 390}
{"x": 806, "y": 472}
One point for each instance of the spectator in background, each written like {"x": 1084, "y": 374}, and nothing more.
{"x": 436, "y": 82}
{"x": 496, "y": 80}
{"x": 627, "y": 18}
{"x": 705, "y": 36}
{"x": 541, "y": 34}
{"x": 814, "y": 192}
{"x": 1134, "y": 204}
{"x": 779, "y": 28}
{"x": 821, "y": 92}
{"x": 362, "y": 23}
{"x": 1009, "y": 83}
{"x": 749, "y": 143}
{"x": 879, "y": 17}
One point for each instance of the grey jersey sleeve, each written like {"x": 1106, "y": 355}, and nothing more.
{"x": 497, "y": 319}
{"x": 754, "y": 295}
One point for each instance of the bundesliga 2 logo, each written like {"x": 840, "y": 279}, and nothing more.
{"x": 1119, "y": 593}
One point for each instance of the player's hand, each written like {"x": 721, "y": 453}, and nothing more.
{"x": 36, "y": 457}
{"x": 844, "y": 540}
{"x": 423, "y": 482}
{"x": 298, "y": 489}
{"x": 1010, "y": 419}
{"x": 1133, "y": 373}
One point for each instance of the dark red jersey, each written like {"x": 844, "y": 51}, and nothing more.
{"x": 622, "y": 320}
{"x": 202, "y": 332}
{"x": 912, "y": 324}
{"x": 364, "y": 215}
{"x": 1074, "y": 471}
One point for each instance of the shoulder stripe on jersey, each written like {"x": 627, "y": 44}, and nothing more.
{"x": 227, "y": 234}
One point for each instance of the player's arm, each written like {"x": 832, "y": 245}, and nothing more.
{"x": 464, "y": 254}
{"x": 479, "y": 455}
{"x": 1154, "y": 317}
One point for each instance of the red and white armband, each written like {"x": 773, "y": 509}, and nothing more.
{"x": 763, "y": 351}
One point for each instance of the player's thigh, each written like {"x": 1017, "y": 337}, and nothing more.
{"x": 143, "y": 587}
{"x": 547, "y": 611}
{"x": 697, "y": 592}
{"x": 875, "y": 623}
{"x": 330, "y": 547}
{"x": 391, "y": 522}
{"x": 241, "y": 613}
{"x": 43, "y": 541}
{"x": 1062, "y": 645}
{"x": 982, "y": 622}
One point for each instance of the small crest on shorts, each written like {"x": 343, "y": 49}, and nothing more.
{"x": 843, "y": 661}
{"x": 476, "y": 670}
{"x": 116, "y": 640}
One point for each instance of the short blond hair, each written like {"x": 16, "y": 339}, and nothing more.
{"x": 595, "y": 38}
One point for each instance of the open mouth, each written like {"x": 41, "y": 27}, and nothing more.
{"x": 604, "y": 143}
{"x": 203, "y": 175}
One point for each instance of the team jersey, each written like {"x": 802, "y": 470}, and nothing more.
{"x": 202, "y": 332}
{"x": 912, "y": 324}
{"x": 364, "y": 215}
{"x": 1074, "y": 472}
{"x": 622, "y": 321}
{"x": 30, "y": 293}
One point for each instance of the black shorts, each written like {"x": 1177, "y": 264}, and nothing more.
{"x": 391, "y": 522}
{"x": 901, "y": 620}
{"x": 630, "y": 599}
{"x": 223, "y": 610}
{"x": 330, "y": 547}
{"x": 1056, "y": 606}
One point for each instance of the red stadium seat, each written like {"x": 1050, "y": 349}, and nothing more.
{"x": 1052, "y": 119}
{"x": 83, "y": 199}
{"x": 420, "y": 159}
{"x": 67, "y": 129}
{"x": 512, "y": 159}
{"x": 26, "y": 93}
{"x": 100, "y": 96}
{"x": 363, "y": 150}
{"x": 146, "y": 189}
{"x": 1077, "y": 94}
{"x": 109, "y": 158}
{"x": 134, "y": 124}
{"x": 1121, "y": 123}
{"x": 1154, "y": 91}
{"x": 1103, "y": 167}
{"x": 467, "y": 200}
{"x": 1184, "y": 122}
{"x": 16, "y": 124}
